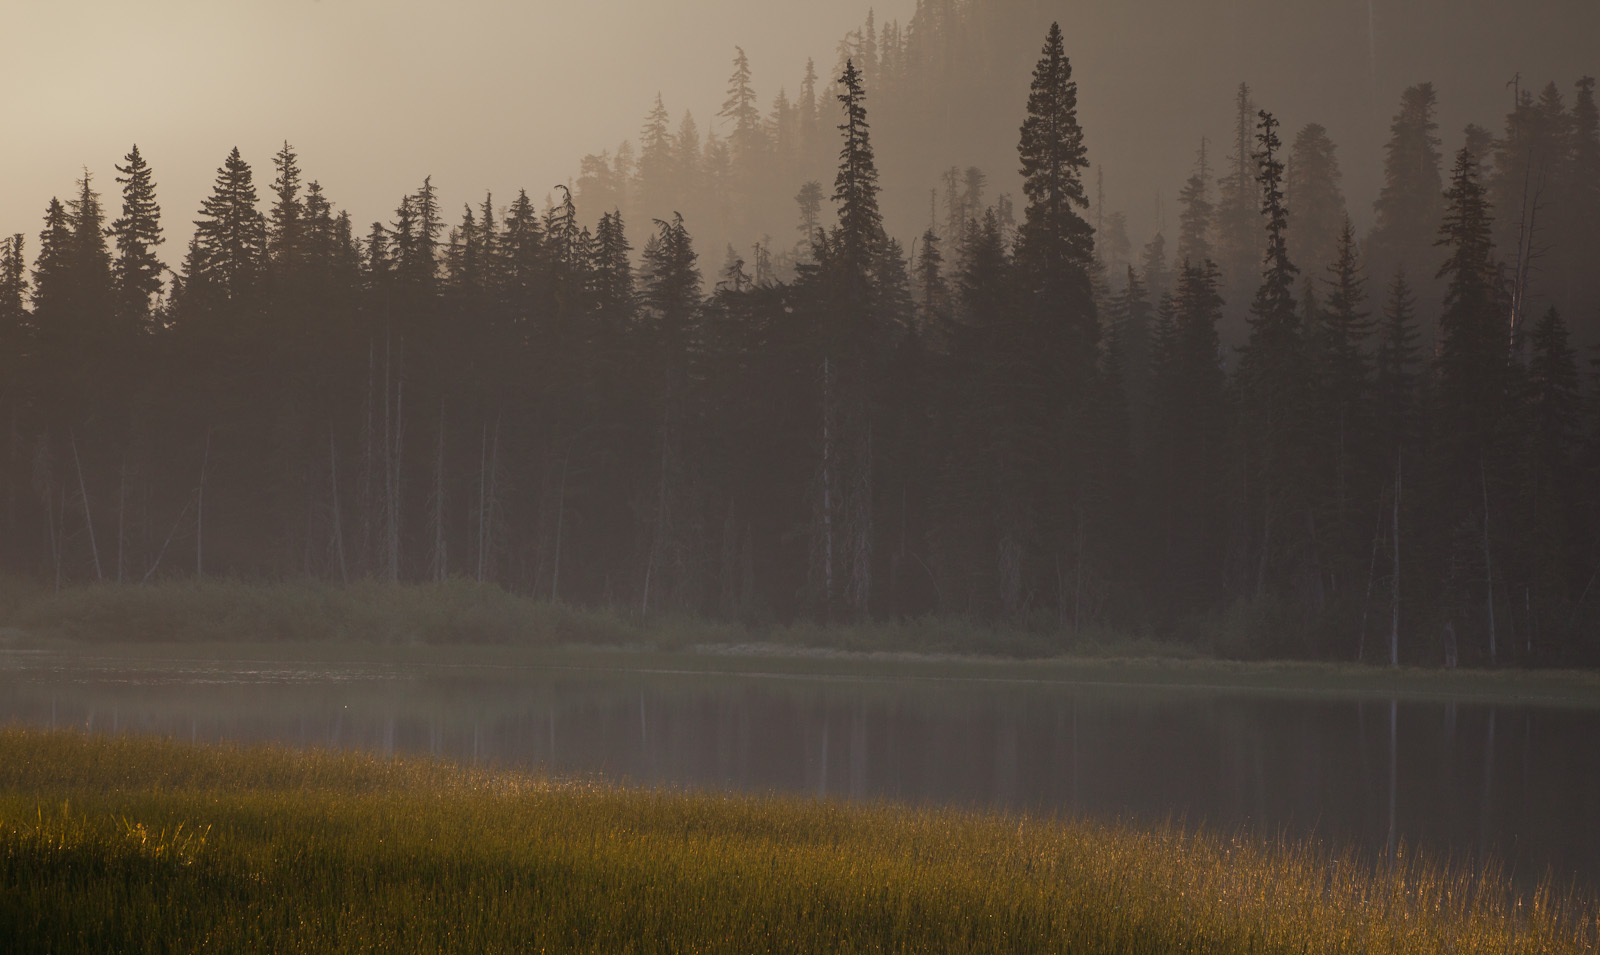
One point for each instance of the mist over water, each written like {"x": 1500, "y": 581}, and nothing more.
{"x": 1459, "y": 781}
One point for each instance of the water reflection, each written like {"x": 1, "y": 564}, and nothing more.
{"x": 1461, "y": 780}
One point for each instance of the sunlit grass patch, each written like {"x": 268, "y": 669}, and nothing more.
{"x": 132, "y": 844}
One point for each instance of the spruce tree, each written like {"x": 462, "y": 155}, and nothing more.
{"x": 91, "y": 262}
{"x": 1408, "y": 208}
{"x": 747, "y": 138}
{"x": 656, "y": 172}
{"x": 1474, "y": 341}
{"x": 1396, "y": 367}
{"x": 52, "y": 270}
{"x": 136, "y": 272}
{"x": 859, "y": 237}
{"x": 1313, "y": 192}
{"x": 284, "y": 241}
{"x": 227, "y": 255}
{"x": 1194, "y": 232}
{"x": 1274, "y": 380}
{"x": 1549, "y": 485}
{"x": 1238, "y": 218}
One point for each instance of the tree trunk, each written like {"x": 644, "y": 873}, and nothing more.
{"x": 88, "y": 516}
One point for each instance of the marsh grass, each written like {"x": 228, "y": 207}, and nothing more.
{"x": 135, "y": 844}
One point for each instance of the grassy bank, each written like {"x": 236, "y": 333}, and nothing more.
{"x": 460, "y": 623}
{"x": 130, "y": 844}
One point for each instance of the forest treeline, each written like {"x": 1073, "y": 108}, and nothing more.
{"x": 1382, "y": 448}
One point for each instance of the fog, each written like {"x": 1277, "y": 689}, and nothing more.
{"x": 501, "y": 94}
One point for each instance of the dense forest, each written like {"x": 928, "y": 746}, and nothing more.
{"x": 1382, "y": 447}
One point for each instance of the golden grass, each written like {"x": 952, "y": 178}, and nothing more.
{"x": 136, "y": 844}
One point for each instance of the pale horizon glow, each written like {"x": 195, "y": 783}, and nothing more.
{"x": 374, "y": 95}
{"x": 499, "y": 95}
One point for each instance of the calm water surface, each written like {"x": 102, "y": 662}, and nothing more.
{"x": 1520, "y": 783}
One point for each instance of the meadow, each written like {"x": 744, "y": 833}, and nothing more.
{"x": 136, "y": 844}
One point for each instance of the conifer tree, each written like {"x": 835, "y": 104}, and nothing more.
{"x": 859, "y": 237}
{"x": 52, "y": 270}
{"x": 136, "y": 273}
{"x": 226, "y": 257}
{"x": 656, "y": 163}
{"x": 1549, "y": 482}
{"x": 1408, "y": 208}
{"x": 1473, "y": 344}
{"x": 1274, "y": 377}
{"x": 1238, "y": 218}
{"x": 1153, "y": 266}
{"x": 1346, "y": 326}
{"x": 1312, "y": 190}
{"x": 1187, "y": 443}
{"x": 1194, "y": 233}
{"x": 1396, "y": 365}
{"x": 747, "y": 138}
{"x": 91, "y": 262}
{"x": 13, "y": 292}
{"x": 284, "y": 227}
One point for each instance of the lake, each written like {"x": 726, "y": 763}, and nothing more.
{"x": 1467, "y": 781}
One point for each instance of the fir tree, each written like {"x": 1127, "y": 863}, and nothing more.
{"x": 136, "y": 272}
{"x": 1313, "y": 192}
{"x": 1396, "y": 364}
{"x": 1408, "y": 208}
{"x": 52, "y": 270}
{"x": 1238, "y": 214}
{"x": 656, "y": 163}
{"x": 225, "y": 260}
{"x": 91, "y": 260}
{"x": 747, "y": 138}
{"x": 284, "y": 226}
{"x": 1473, "y": 342}
{"x": 1194, "y": 234}
{"x": 859, "y": 236}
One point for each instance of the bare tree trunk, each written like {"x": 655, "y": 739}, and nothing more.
{"x": 561, "y": 513}
{"x": 1488, "y": 567}
{"x": 1077, "y": 583}
{"x": 1372, "y": 572}
{"x": 88, "y": 517}
{"x": 439, "y": 568}
{"x": 122, "y": 511}
{"x": 827, "y": 487}
{"x": 661, "y": 518}
{"x": 200, "y": 513}
{"x": 483, "y": 501}
{"x": 1394, "y": 586}
{"x": 55, "y": 532}
{"x": 393, "y": 446}
{"x": 164, "y": 544}
{"x": 338, "y": 517}
{"x": 365, "y": 496}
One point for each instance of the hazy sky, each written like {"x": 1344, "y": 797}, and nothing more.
{"x": 501, "y": 94}
{"x": 373, "y": 94}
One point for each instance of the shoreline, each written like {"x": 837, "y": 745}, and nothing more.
{"x": 1572, "y": 689}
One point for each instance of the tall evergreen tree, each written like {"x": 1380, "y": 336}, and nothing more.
{"x": 136, "y": 273}
{"x": 226, "y": 257}
{"x": 1274, "y": 378}
{"x": 1194, "y": 232}
{"x": 285, "y": 247}
{"x": 1409, "y": 206}
{"x": 1238, "y": 219}
{"x": 1313, "y": 192}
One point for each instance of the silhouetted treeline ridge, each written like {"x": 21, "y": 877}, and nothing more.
{"x": 1010, "y": 419}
